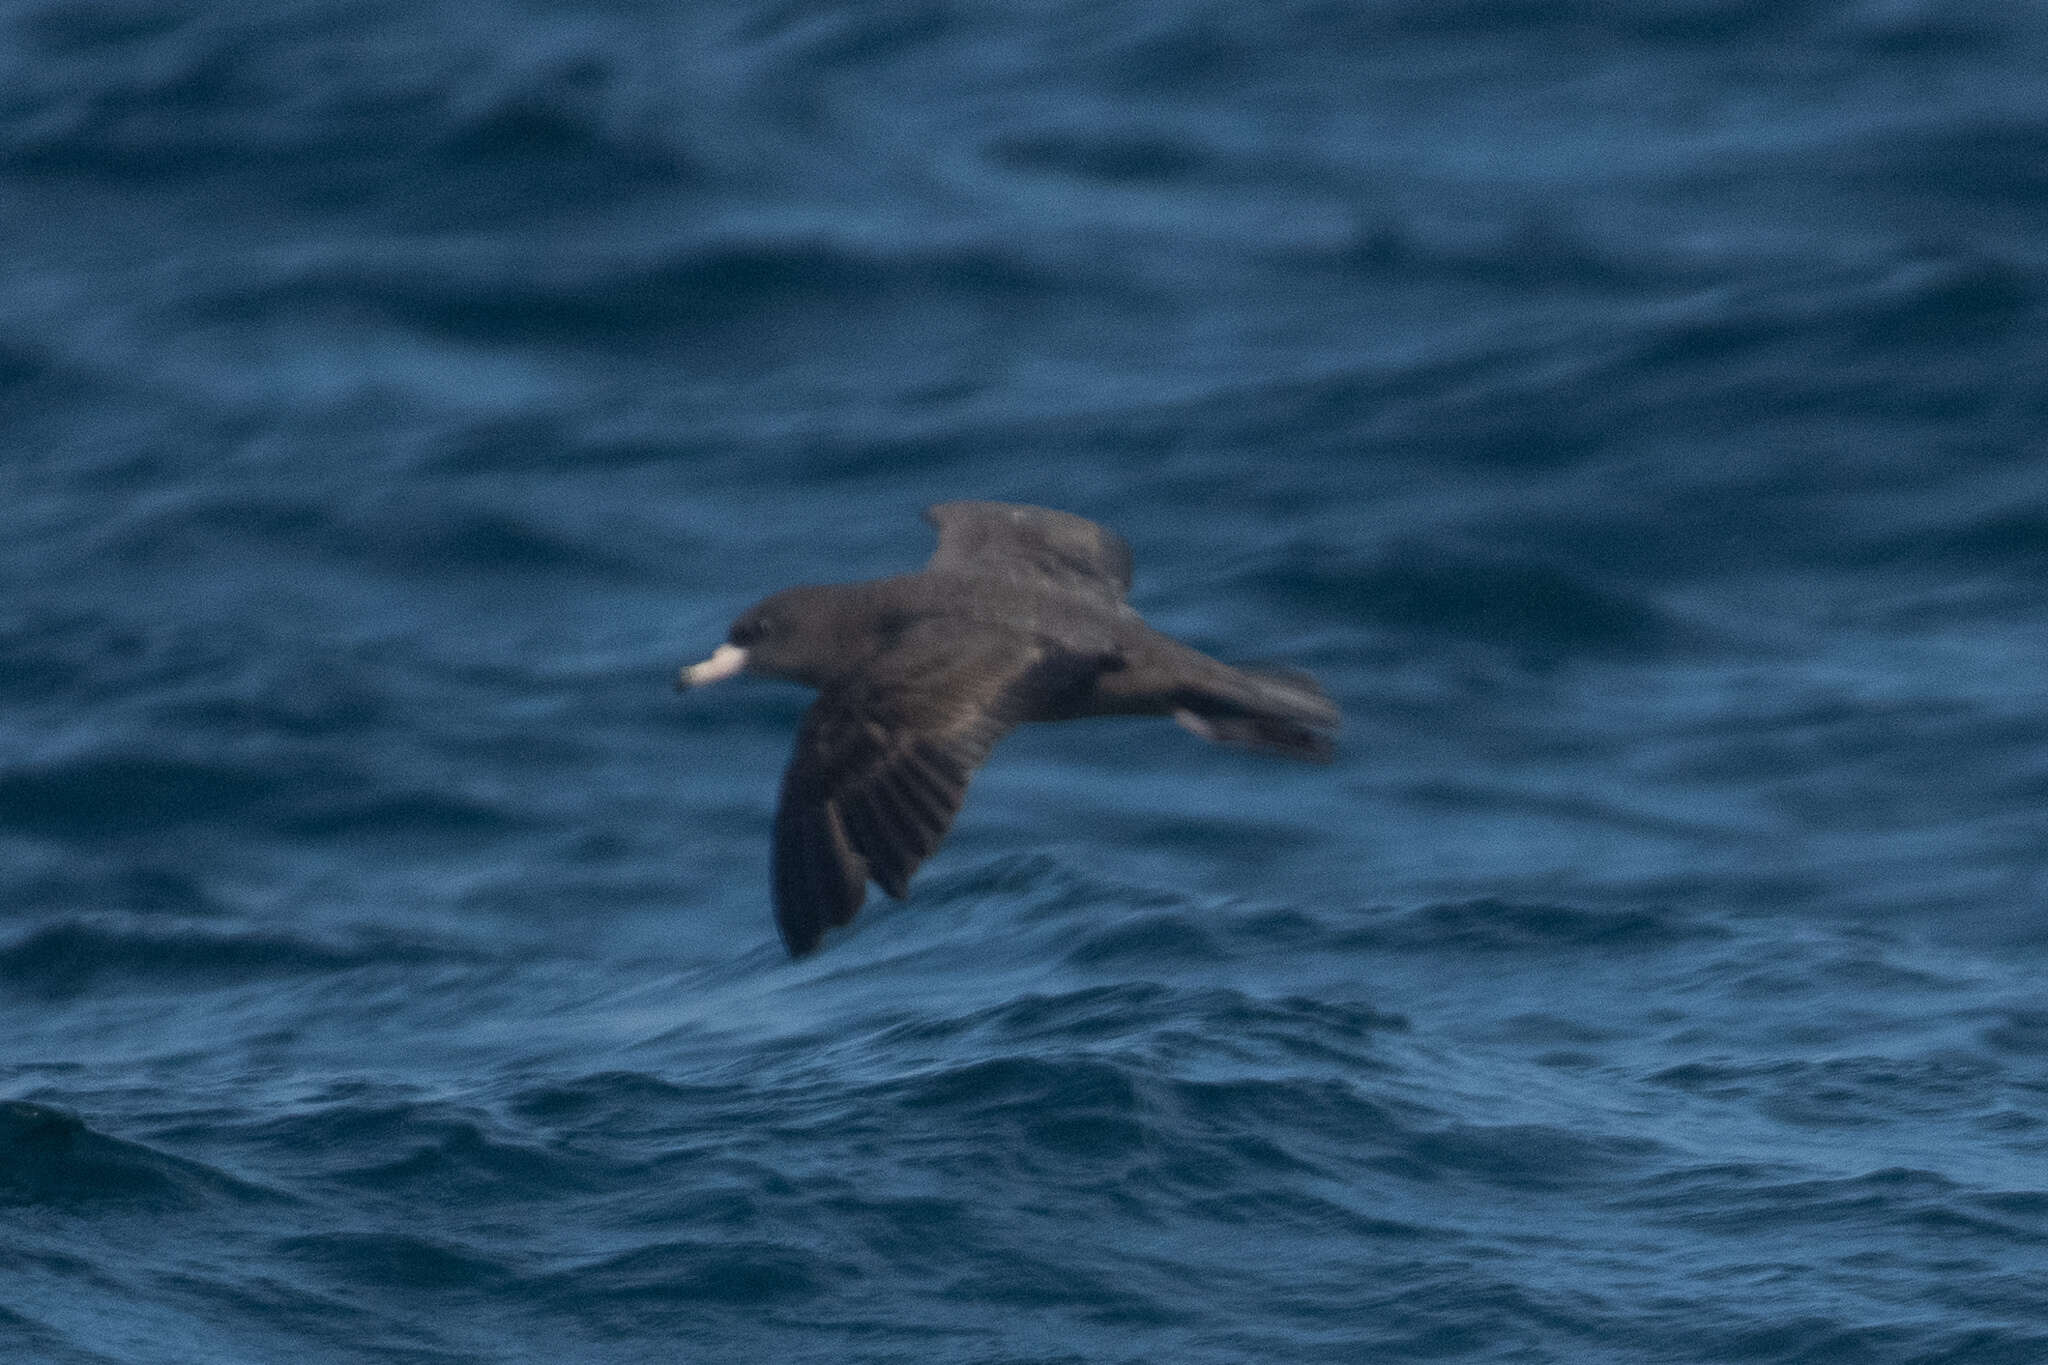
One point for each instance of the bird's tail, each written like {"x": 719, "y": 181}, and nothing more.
{"x": 1268, "y": 711}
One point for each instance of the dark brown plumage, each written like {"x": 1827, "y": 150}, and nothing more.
{"x": 1019, "y": 616}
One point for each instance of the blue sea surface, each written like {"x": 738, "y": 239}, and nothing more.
{"x": 1634, "y": 412}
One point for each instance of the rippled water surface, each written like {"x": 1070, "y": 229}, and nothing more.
{"x": 1632, "y": 412}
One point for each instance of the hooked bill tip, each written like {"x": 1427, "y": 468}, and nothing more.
{"x": 725, "y": 661}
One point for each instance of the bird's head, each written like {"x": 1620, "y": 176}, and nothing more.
{"x": 793, "y": 634}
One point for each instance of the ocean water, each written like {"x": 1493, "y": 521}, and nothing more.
{"x": 1632, "y": 411}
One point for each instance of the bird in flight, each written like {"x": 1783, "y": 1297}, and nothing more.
{"x": 1020, "y": 615}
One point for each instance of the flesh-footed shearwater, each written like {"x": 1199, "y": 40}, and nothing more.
{"x": 1019, "y": 615}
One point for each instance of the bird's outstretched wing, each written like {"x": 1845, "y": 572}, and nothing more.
{"x": 877, "y": 777}
{"x": 1031, "y": 545}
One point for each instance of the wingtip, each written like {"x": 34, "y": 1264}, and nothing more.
{"x": 1278, "y": 736}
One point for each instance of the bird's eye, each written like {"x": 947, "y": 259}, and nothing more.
{"x": 746, "y": 632}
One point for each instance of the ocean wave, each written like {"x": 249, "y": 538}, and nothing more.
{"x": 1157, "y": 48}
{"x": 101, "y": 657}
{"x": 22, "y": 362}
{"x": 695, "y": 289}
{"x": 1098, "y": 924}
{"x": 138, "y": 886}
{"x": 625, "y": 1104}
{"x": 1867, "y": 318}
{"x": 735, "y": 1274}
{"x": 1853, "y": 1092}
{"x": 1134, "y": 1013}
{"x": 1120, "y": 1129}
{"x": 71, "y": 957}
{"x": 49, "y": 1157}
{"x": 1154, "y": 939}
{"x": 98, "y": 795}
{"x": 1041, "y": 888}
{"x": 1689, "y": 23}
{"x": 566, "y": 116}
{"x": 1118, "y": 157}
{"x": 548, "y": 441}
{"x": 1523, "y": 1156}
{"x": 1944, "y": 300}
{"x": 421, "y": 130}
{"x": 1822, "y": 26}
{"x": 1539, "y": 247}
{"x": 1166, "y": 1095}
{"x": 407, "y": 1263}
{"x": 2012, "y": 539}
{"x": 121, "y": 794}
{"x": 36, "y": 1340}
{"x": 389, "y": 1148}
{"x": 1490, "y": 925}
{"x": 2021, "y": 1031}
{"x": 1754, "y": 1201}
{"x": 1487, "y": 599}
{"x": 444, "y": 537}
{"x": 1998, "y": 158}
